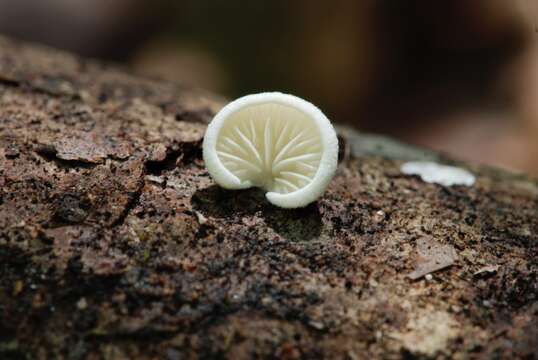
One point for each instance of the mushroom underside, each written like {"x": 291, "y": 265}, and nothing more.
{"x": 273, "y": 146}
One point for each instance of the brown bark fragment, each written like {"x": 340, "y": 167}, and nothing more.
{"x": 115, "y": 243}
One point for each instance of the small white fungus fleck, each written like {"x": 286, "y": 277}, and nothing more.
{"x": 432, "y": 172}
{"x": 82, "y": 304}
{"x": 277, "y": 142}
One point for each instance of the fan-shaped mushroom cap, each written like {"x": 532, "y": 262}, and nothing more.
{"x": 278, "y": 142}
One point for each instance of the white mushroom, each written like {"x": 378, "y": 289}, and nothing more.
{"x": 432, "y": 172}
{"x": 277, "y": 142}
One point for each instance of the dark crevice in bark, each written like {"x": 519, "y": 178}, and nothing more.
{"x": 133, "y": 198}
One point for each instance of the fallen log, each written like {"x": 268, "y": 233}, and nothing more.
{"x": 116, "y": 244}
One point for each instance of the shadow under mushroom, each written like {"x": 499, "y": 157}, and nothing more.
{"x": 298, "y": 225}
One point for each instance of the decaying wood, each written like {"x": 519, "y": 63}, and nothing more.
{"x": 116, "y": 244}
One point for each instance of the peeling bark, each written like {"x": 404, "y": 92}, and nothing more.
{"x": 115, "y": 243}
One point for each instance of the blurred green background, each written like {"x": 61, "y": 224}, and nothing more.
{"x": 456, "y": 76}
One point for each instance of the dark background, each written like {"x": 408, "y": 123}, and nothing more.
{"x": 457, "y": 76}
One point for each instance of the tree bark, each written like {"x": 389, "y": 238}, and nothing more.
{"x": 116, "y": 244}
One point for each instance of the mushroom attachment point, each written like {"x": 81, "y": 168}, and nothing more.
{"x": 277, "y": 142}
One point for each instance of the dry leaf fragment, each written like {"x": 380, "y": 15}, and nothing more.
{"x": 432, "y": 256}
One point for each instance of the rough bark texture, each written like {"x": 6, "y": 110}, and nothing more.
{"x": 116, "y": 244}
